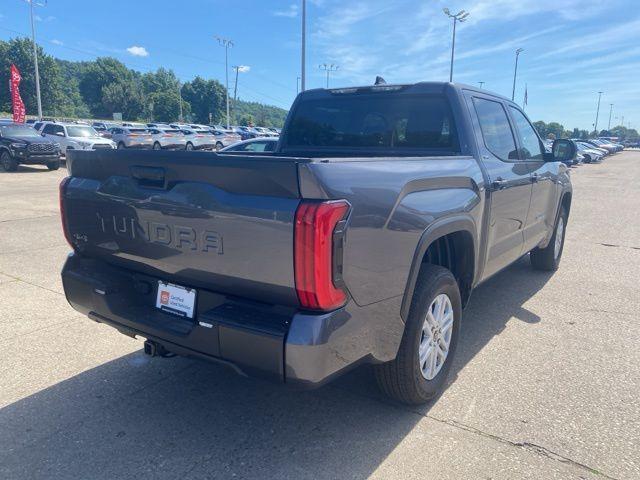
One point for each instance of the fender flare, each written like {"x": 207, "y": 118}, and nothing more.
{"x": 439, "y": 228}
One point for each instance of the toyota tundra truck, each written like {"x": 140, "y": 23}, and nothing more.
{"x": 357, "y": 241}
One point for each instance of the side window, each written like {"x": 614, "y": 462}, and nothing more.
{"x": 270, "y": 147}
{"x": 256, "y": 147}
{"x": 496, "y": 130}
{"x": 58, "y": 130}
{"x": 48, "y": 129}
{"x": 531, "y": 147}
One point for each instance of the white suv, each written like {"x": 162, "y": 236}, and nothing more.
{"x": 73, "y": 136}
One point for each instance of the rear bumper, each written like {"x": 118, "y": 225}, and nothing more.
{"x": 279, "y": 343}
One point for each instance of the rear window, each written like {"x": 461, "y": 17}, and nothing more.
{"x": 382, "y": 121}
{"x": 138, "y": 130}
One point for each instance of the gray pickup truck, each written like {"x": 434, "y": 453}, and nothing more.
{"x": 359, "y": 240}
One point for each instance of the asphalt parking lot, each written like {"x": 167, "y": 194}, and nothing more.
{"x": 546, "y": 381}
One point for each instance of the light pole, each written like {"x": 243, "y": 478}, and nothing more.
{"x": 515, "y": 73}
{"x": 180, "y": 100}
{"x": 303, "y": 59}
{"x": 297, "y": 85}
{"x": 595, "y": 125}
{"x": 35, "y": 55}
{"x": 481, "y": 84}
{"x": 226, "y": 43}
{"x": 328, "y": 68}
{"x": 461, "y": 16}
{"x": 610, "y": 112}
{"x": 237, "y": 68}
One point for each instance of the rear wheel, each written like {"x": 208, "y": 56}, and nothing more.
{"x": 121, "y": 146}
{"x": 53, "y": 165}
{"x": 8, "y": 162}
{"x": 219, "y": 146}
{"x": 548, "y": 258}
{"x": 189, "y": 146}
{"x": 426, "y": 352}
{"x": 157, "y": 146}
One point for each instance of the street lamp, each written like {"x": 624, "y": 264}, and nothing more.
{"x": 481, "y": 84}
{"x": 595, "y": 125}
{"x": 610, "y": 112}
{"x": 35, "y": 54}
{"x": 226, "y": 43}
{"x": 328, "y": 69}
{"x": 461, "y": 16}
{"x": 238, "y": 69}
{"x": 515, "y": 73}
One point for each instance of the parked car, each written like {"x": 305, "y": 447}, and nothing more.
{"x": 167, "y": 139}
{"x": 20, "y": 144}
{"x": 597, "y": 143}
{"x": 245, "y": 132}
{"x": 247, "y": 262}
{"x": 225, "y": 138}
{"x": 158, "y": 125}
{"x": 102, "y": 128}
{"x": 129, "y": 137}
{"x": 198, "y": 140}
{"x": 255, "y": 145}
{"x": 590, "y": 154}
{"x": 72, "y": 136}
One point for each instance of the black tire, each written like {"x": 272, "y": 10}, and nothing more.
{"x": 402, "y": 378}
{"x": 547, "y": 258}
{"x": 9, "y": 163}
{"x": 219, "y": 146}
{"x": 121, "y": 146}
{"x": 53, "y": 165}
{"x": 157, "y": 146}
{"x": 189, "y": 146}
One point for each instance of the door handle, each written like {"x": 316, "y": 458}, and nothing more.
{"x": 499, "y": 184}
{"x": 534, "y": 178}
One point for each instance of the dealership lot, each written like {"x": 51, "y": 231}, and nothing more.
{"x": 545, "y": 384}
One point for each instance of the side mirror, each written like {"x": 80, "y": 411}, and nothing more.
{"x": 563, "y": 150}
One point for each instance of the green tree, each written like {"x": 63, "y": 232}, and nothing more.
{"x": 541, "y": 127}
{"x": 19, "y": 51}
{"x": 206, "y": 98}
{"x": 124, "y": 97}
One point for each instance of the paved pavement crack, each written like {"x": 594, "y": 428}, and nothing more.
{"x": 29, "y": 218}
{"x": 532, "y": 447}
{"x": 18, "y": 279}
{"x": 539, "y": 449}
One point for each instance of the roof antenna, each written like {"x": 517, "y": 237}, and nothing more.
{"x": 380, "y": 80}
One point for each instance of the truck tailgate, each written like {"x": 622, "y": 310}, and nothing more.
{"x": 219, "y": 222}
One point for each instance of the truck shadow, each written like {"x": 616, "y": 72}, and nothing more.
{"x": 180, "y": 418}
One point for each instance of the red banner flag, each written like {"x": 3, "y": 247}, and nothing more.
{"x": 18, "y": 105}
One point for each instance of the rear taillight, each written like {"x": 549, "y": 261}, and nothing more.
{"x": 319, "y": 236}
{"x": 63, "y": 214}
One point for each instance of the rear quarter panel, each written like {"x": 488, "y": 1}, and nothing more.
{"x": 393, "y": 202}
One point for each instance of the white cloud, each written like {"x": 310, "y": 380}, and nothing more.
{"x": 290, "y": 12}
{"x": 137, "y": 51}
{"x": 38, "y": 18}
{"x": 55, "y": 41}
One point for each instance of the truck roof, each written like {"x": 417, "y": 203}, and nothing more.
{"x": 419, "y": 87}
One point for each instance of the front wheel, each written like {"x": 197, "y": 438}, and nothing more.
{"x": 426, "y": 352}
{"x": 548, "y": 258}
{"x": 8, "y": 162}
{"x": 53, "y": 165}
{"x": 157, "y": 146}
{"x": 189, "y": 146}
{"x": 121, "y": 146}
{"x": 219, "y": 146}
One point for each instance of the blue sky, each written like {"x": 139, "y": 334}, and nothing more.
{"x": 572, "y": 48}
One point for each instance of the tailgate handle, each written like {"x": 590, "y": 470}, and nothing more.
{"x": 148, "y": 176}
